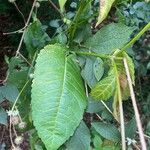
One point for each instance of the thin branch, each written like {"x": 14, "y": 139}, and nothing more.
{"x": 10, "y": 133}
{"x": 55, "y": 7}
{"x": 13, "y": 107}
{"x": 14, "y": 32}
{"x": 20, "y": 12}
{"x": 107, "y": 108}
{"x": 28, "y": 20}
{"x": 25, "y": 59}
{"x": 137, "y": 116}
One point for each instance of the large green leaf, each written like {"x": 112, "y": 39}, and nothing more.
{"x": 104, "y": 89}
{"x": 58, "y": 97}
{"x": 105, "y": 7}
{"x": 110, "y": 37}
{"x": 81, "y": 138}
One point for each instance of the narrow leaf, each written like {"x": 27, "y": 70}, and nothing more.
{"x": 58, "y": 97}
{"x": 104, "y": 89}
{"x": 98, "y": 68}
{"x": 105, "y": 6}
{"x": 87, "y": 73}
{"x": 62, "y": 4}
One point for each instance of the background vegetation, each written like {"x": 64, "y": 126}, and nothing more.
{"x": 98, "y": 130}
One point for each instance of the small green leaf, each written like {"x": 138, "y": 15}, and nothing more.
{"x": 98, "y": 68}
{"x": 81, "y": 138}
{"x": 110, "y": 37}
{"x": 17, "y": 72}
{"x": 94, "y": 106}
{"x": 62, "y": 4}
{"x": 3, "y": 117}
{"x": 105, "y": 7}
{"x": 130, "y": 128}
{"x": 104, "y": 89}
{"x": 58, "y": 96}
{"x": 9, "y": 92}
{"x": 35, "y": 38}
{"x": 87, "y": 72}
{"x": 97, "y": 141}
{"x": 108, "y": 131}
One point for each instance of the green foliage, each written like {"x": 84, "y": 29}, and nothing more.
{"x": 59, "y": 95}
{"x": 109, "y": 38}
{"x": 9, "y": 92}
{"x": 131, "y": 128}
{"x": 62, "y": 4}
{"x": 35, "y": 38}
{"x": 87, "y": 72}
{"x": 105, "y": 7}
{"x": 104, "y": 89}
{"x": 81, "y": 139}
{"x": 98, "y": 68}
{"x": 3, "y": 117}
{"x": 107, "y": 131}
{"x": 62, "y": 93}
{"x": 17, "y": 72}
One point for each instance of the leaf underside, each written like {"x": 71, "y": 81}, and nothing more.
{"x": 58, "y": 97}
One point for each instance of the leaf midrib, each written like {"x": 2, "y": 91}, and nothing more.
{"x": 62, "y": 91}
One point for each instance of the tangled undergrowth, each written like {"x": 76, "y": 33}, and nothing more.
{"x": 68, "y": 69}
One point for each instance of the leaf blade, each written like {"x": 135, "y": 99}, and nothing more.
{"x": 107, "y": 131}
{"x": 105, "y": 7}
{"x": 110, "y": 37}
{"x": 54, "y": 97}
{"x": 62, "y": 4}
{"x": 104, "y": 89}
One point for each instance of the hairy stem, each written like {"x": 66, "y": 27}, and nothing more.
{"x": 137, "y": 116}
{"x": 103, "y": 56}
{"x": 136, "y": 37}
{"x": 28, "y": 20}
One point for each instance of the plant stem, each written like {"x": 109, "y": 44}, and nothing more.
{"x": 137, "y": 116}
{"x": 56, "y": 8}
{"x": 28, "y": 20}
{"x": 13, "y": 107}
{"x": 20, "y": 12}
{"x": 136, "y": 37}
{"x": 122, "y": 124}
{"x": 103, "y": 56}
